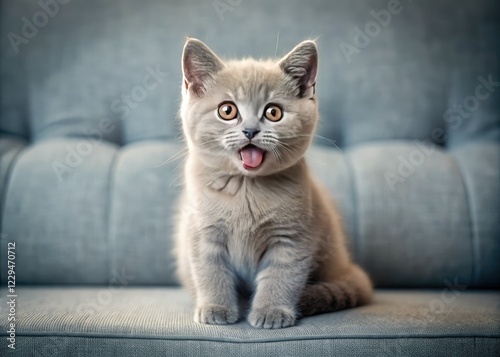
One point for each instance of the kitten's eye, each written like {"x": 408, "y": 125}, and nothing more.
{"x": 273, "y": 112}
{"x": 227, "y": 111}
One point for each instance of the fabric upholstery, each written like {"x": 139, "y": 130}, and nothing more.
{"x": 126, "y": 212}
{"x": 120, "y": 320}
{"x": 399, "y": 86}
{"x": 406, "y": 225}
{"x": 91, "y": 156}
{"x": 143, "y": 197}
{"x": 94, "y": 96}
{"x": 10, "y": 146}
{"x": 59, "y": 226}
{"x": 477, "y": 163}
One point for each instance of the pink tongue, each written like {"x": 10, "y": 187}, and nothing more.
{"x": 251, "y": 156}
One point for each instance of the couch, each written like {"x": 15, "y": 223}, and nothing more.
{"x": 91, "y": 161}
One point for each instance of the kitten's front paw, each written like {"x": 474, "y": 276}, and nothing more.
{"x": 215, "y": 315}
{"x": 271, "y": 317}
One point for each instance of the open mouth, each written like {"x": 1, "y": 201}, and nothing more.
{"x": 252, "y": 157}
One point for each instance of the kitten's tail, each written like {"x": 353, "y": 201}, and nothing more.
{"x": 352, "y": 289}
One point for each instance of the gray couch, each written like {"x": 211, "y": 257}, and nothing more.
{"x": 409, "y": 145}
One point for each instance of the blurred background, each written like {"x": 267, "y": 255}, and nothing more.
{"x": 408, "y": 145}
{"x": 389, "y": 70}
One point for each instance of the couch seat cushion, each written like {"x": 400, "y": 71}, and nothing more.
{"x": 157, "y": 321}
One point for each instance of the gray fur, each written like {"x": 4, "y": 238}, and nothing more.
{"x": 269, "y": 236}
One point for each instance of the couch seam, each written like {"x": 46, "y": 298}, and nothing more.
{"x": 474, "y": 236}
{"x": 111, "y": 257}
{"x": 355, "y": 207}
{"x": 8, "y": 175}
{"x": 245, "y": 341}
{"x": 4, "y": 192}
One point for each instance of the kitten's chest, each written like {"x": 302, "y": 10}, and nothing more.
{"x": 247, "y": 242}
{"x": 250, "y": 227}
{"x": 251, "y": 217}
{"x": 248, "y": 234}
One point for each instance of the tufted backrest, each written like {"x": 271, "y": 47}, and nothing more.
{"x": 109, "y": 71}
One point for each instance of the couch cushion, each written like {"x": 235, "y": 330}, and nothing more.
{"x": 110, "y": 71}
{"x": 55, "y": 211}
{"x": 147, "y": 181}
{"x": 412, "y": 213}
{"x": 116, "y": 320}
{"x": 116, "y": 210}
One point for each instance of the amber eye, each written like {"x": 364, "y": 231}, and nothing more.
{"x": 227, "y": 111}
{"x": 273, "y": 112}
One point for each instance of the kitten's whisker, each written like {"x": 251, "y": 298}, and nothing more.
{"x": 177, "y": 166}
{"x": 210, "y": 147}
{"x": 276, "y": 154}
{"x": 277, "y": 41}
{"x": 290, "y": 150}
{"x": 287, "y": 148}
{"x": 210, "y": 141}
{"x": 313, "y": 135}
{"x": 205, "y": 144}
{"x": 174, "y": 157}
{"x": 232, "y": 141}
{"x": 177, "y": 178}
{"x": 329, "y": 140}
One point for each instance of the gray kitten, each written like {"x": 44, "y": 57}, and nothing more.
{"x": 253, "y": 224}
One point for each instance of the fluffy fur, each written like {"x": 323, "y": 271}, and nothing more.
{"x": 264, "y": 243}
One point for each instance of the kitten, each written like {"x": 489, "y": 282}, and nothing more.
{"x": 253, "y": 223}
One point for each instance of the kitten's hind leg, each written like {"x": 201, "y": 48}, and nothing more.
{"x": 351, "y": 289}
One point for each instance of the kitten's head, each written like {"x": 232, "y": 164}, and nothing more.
{"x": 249, "y": 117}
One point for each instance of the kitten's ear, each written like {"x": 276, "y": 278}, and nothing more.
{"x": 199, "y": 65}
{"x": 301, "y": 63}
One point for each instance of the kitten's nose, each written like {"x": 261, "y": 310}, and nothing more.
{"x": 250, "y": 133}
